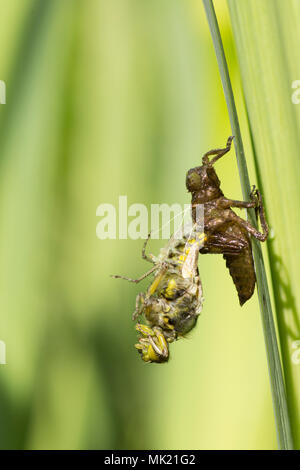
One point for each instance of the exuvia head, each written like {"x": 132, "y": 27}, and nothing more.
{"x": 203, "y": 179}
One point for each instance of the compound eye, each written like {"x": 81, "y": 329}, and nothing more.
{"x": 193, "y": 180}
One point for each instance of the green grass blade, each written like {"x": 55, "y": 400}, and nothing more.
{"x": 268, "y": 54}
{"x": 276, "y": 377}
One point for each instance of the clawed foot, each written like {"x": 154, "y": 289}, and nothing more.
{"x": 256, "y": 196}
{"x": 229, "y": 140}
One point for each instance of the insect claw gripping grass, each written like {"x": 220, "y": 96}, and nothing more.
{"x": 225, "y": 232}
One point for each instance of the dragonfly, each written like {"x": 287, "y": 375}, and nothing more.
{"x": 174, "y": 299}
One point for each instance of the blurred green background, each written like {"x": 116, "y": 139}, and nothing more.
{"x": 108, "y": 98}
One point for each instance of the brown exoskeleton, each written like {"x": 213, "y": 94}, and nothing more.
{"x": 226, "y": 232}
